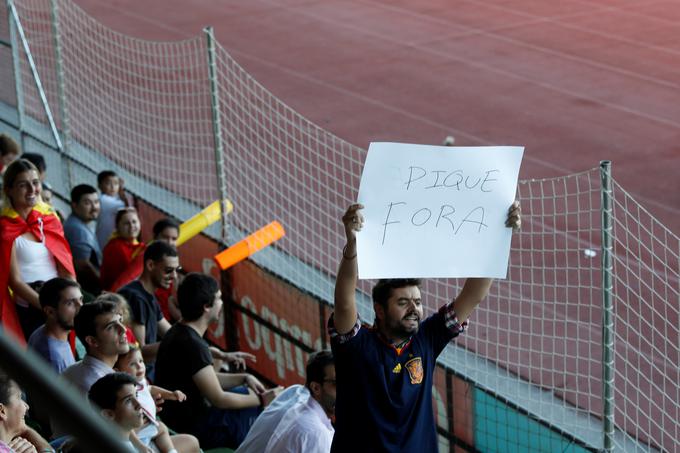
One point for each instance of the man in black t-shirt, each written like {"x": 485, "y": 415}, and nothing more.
{"x": 216, "y": 416}
{"x": 160, "y": 268}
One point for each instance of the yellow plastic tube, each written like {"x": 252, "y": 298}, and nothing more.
{"x": 201, "y": 221}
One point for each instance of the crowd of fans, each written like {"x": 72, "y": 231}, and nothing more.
{"x": 113, "y": 316}
{"x": 92, "y": 285}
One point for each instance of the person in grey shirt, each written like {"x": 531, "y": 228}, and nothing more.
{"x": 61, "y": 300}
{"x": 87, "y": 256}
{"x": 100, "y": 328}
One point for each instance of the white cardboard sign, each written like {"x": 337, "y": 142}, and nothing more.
{"x": 436, "y": 211}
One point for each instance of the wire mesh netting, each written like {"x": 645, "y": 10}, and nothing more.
{"x": 536, "y": 342}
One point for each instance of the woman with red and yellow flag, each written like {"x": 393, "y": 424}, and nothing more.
{"x": 32, "y": 248}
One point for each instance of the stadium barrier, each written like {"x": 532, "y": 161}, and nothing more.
{"x": 576, "y": 350}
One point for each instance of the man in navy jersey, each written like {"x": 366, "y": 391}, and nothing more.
{"x": 385, "y": 374}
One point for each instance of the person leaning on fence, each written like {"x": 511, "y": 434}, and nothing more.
{"x": 32, "y": 248}
{"x": 385, "y": 374}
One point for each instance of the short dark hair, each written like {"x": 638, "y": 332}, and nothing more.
{"x": 84, "y": 322}
{"x": 162, "y": 224}
{"x": 158, "y": 250}
{"x": 383, "y": 289}
{"x": 80, "y": 190}
{"x": 6, "y": 384}
{"x": 194, "y": 293}
{"x": 316, "y": 366}
{"x": 105, "y": 174}
{"x": 51, "y": 290}
{"x": 104, "y": 392}
{"x": 36, "y": 159}
{"x": 8, "y": 145}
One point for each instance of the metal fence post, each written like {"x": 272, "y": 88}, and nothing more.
{"x": 61, "y": 94}
{"x": 217, "y": 129}
{"x": 16, "y": 61}
{"x": 607, "y": 307}
{"x": 36, "y": 77}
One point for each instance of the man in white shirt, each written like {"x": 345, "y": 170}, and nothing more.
{"x": 299, "y": 419}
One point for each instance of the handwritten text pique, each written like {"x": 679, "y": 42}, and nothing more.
{"x": 434, "y": 211}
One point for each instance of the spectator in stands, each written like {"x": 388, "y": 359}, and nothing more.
{"x": 385, "y": 374}
{"x": 15, "y": 436}
{"x": 9, "y": 152}
{"x": 216, "y": 416}
{"x": 32, "y": 248}
{"x": 160, "y": 268}
{"x": 154, "y": 431}
{"x": 87, "y": 255}
{"x": 39, "y": 161}
{"x": 61, "y": 300}
{"x": 99, "y": 327}
{"x": 299, "y": 419}
{"x": 123, "y": 309}
{"x": 167, "y": 230}
{"x": 47, "y": 195}
{"x": 122, "y": 248}
{"x": 115, "y": 394}
{"x": 112, "y": 199}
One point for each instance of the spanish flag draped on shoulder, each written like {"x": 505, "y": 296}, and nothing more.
{"x": 44, "y": 224}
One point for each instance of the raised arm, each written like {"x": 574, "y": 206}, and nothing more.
{"x": 476, "y": 289}
{"x": 345, "y": 312}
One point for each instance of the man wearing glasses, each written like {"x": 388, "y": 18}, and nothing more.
{"x": 299, "y": 419}
{"x": 161, "y": 264}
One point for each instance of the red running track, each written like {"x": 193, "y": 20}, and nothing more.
{"x": 575, "y": 81}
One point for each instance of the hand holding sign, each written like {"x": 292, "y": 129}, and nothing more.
{"x": 353, "y": 221}
{"x": 434, "y": 211}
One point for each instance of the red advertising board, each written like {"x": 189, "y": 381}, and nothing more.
{"x": 286, "y": 308}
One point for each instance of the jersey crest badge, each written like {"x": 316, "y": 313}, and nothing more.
{"x": 415, "y": 370}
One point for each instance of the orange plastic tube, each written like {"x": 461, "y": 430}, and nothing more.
{"x": 249, "y": 245}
